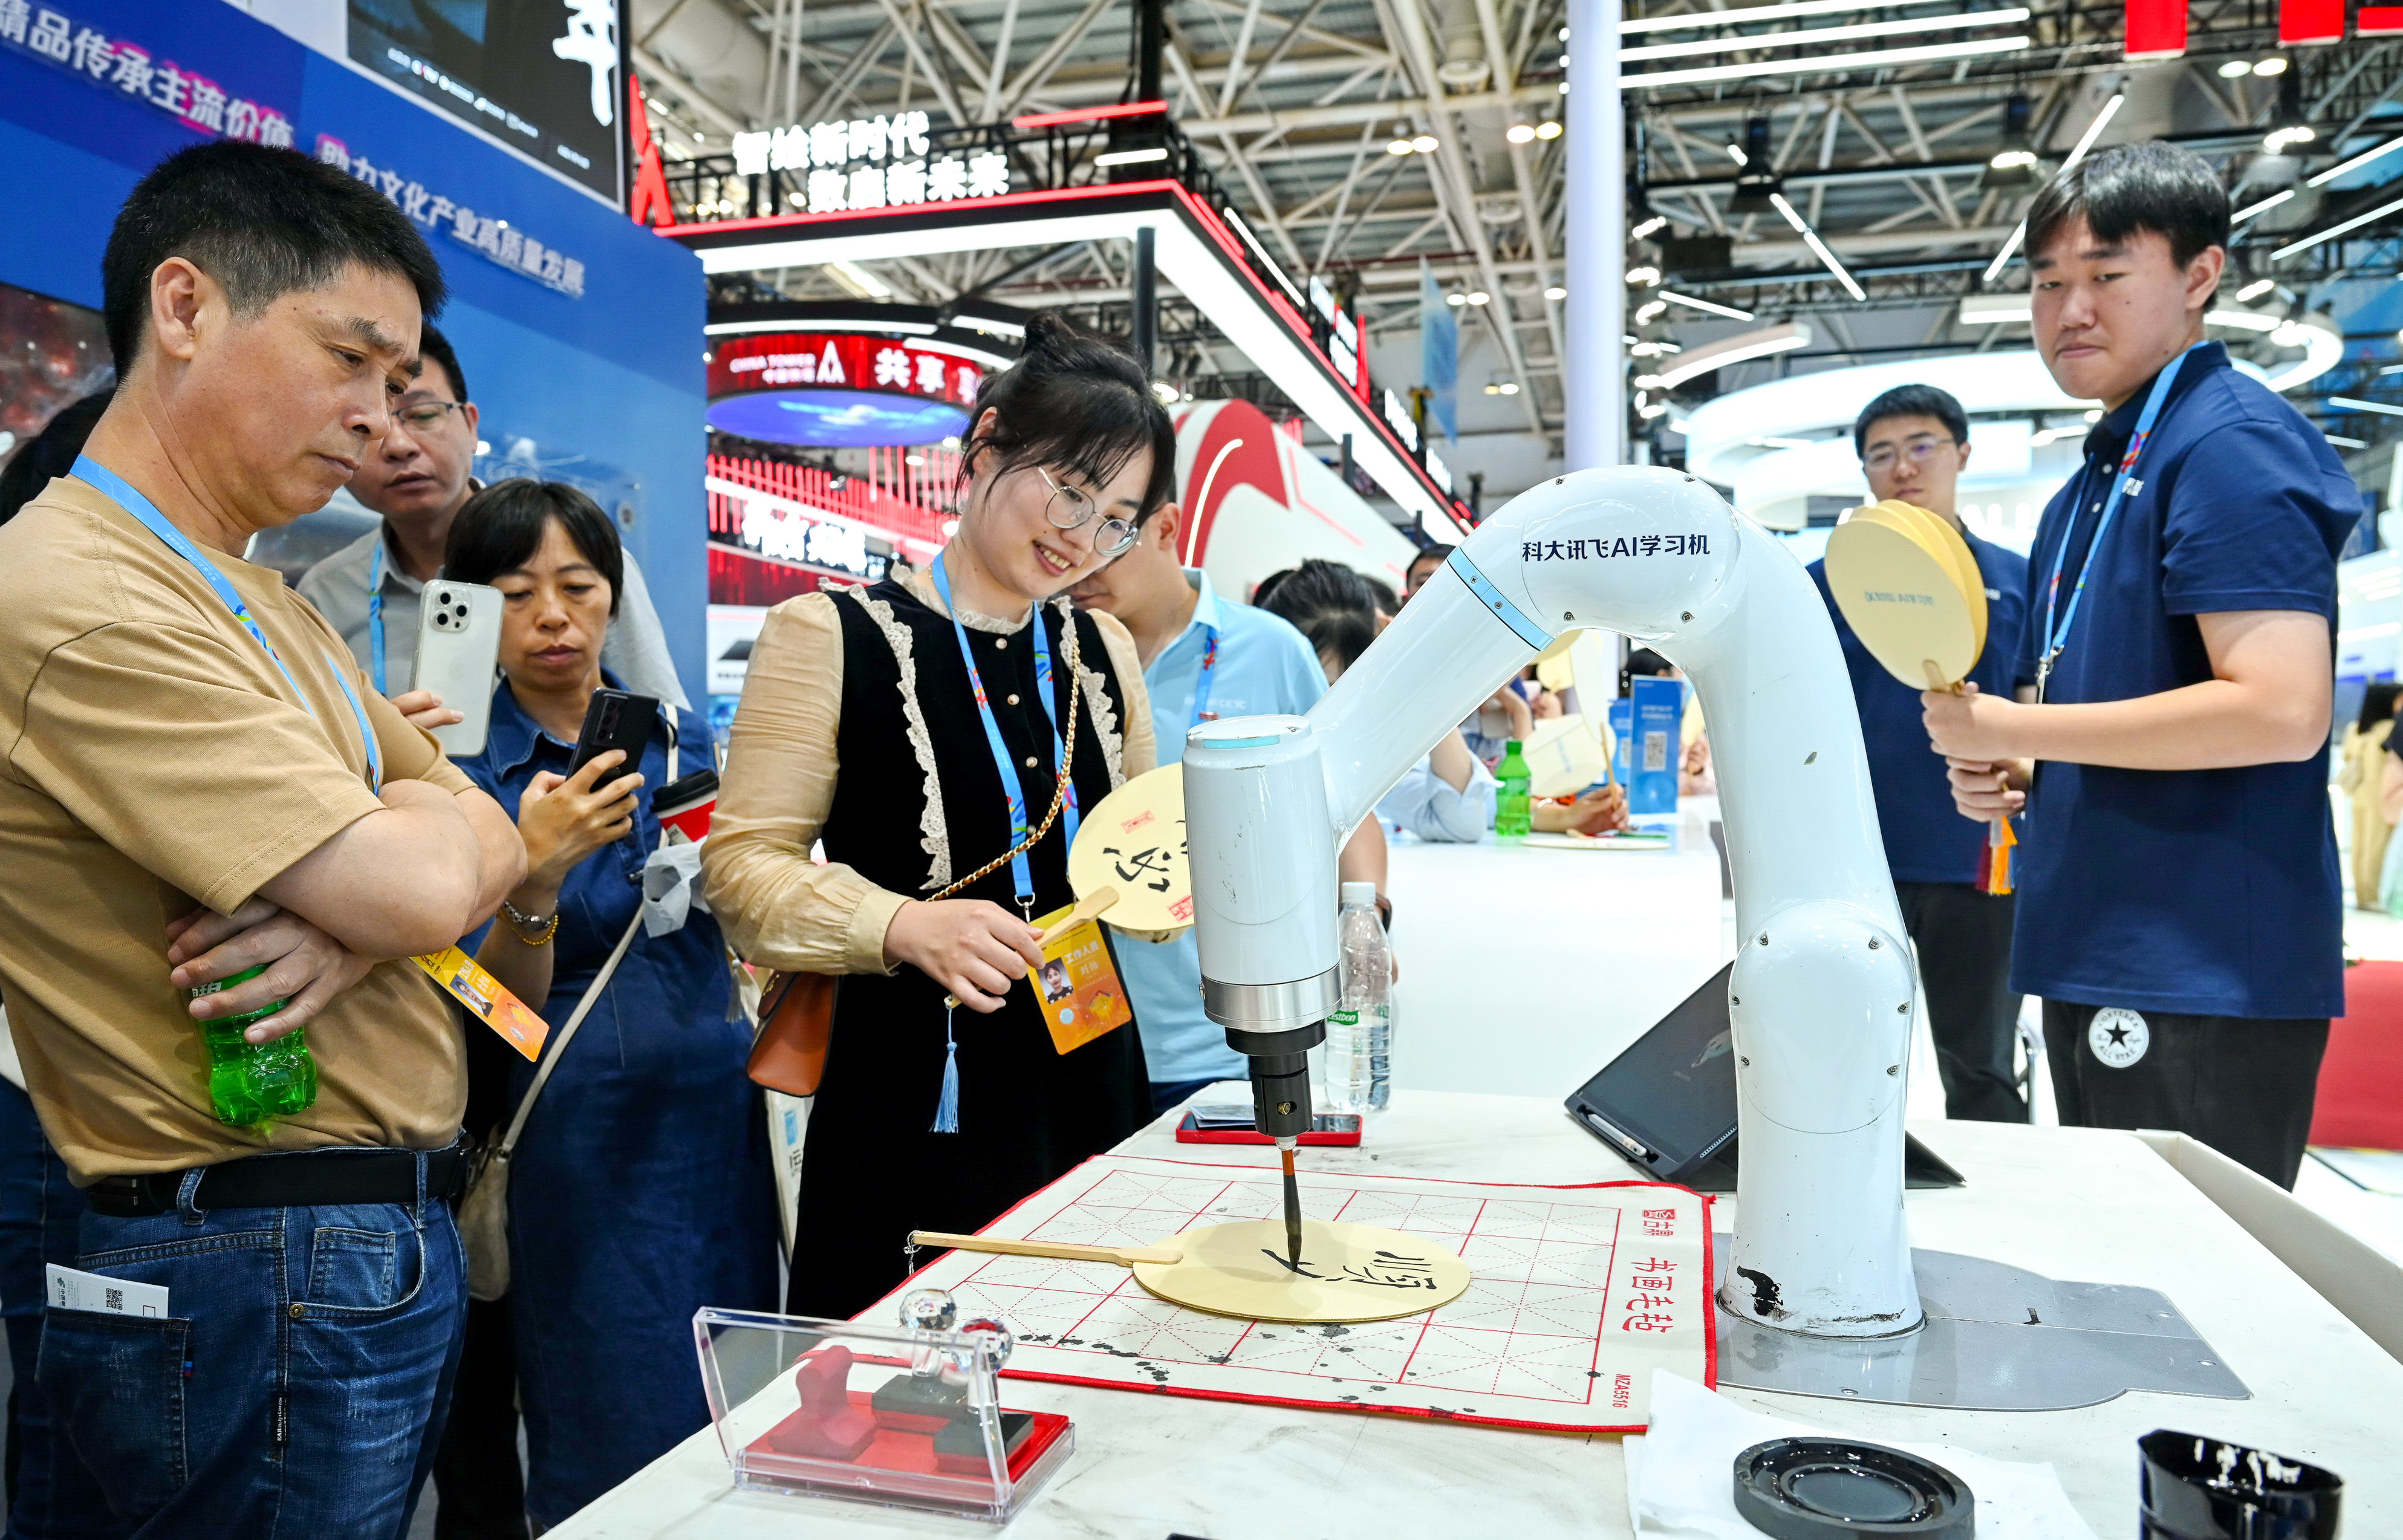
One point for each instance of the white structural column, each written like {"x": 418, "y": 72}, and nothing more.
{"x": 1594, "y": 373}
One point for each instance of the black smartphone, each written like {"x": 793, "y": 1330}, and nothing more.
{"x": 616, "y": 720}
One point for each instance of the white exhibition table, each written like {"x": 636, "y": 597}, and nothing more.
{"x": 2072, "y": 1203}
{"x": 1523, "y": 972}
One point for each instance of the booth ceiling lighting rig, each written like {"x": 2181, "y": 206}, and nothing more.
{"x": 1884, "y": 119}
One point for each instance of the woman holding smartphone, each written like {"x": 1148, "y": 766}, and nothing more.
{"x": 641, "y": 1187}
{"x": 921, "y": 728}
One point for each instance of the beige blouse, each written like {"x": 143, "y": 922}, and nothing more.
{"x": 780, "y": 908}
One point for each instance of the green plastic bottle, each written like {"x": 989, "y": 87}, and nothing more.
{"x": 250, "y": 1083}
{"x": 1513, "y": 808}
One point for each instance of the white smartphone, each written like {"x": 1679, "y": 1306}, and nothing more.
{"x": 458, "y": 651}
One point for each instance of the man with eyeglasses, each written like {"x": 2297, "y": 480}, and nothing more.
{"x": 1913, "y": 443}
{"x": 1204, "y": 656}
{"x": 418, "y": 477}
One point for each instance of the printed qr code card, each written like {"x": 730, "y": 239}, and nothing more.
{"x": 1579, "y": 1292}
{"x": 68, "y": 1288}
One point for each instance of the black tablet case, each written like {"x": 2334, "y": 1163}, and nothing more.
{"x": 1668, "y": 1103}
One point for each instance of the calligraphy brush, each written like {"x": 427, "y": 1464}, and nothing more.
{"x": 1292, "y": 1207}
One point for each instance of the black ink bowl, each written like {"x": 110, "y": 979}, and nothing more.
{"x": 2202, "y": 1489}
{"x": 1827, "y": 1489}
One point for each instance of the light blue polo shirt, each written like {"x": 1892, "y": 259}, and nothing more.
{"x": 1263, "y": 666}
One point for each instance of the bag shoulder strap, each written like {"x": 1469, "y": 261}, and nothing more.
{"x": 567, "y": 1034}
{"x": 592, "y": 992}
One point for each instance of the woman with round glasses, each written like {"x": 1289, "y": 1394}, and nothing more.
{"x": 921, "y": 730}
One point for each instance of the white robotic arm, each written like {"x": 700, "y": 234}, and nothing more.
{"x": 1822, "y": 989}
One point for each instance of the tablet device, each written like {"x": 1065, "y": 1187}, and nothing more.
{"x": 1668, "y": 1103}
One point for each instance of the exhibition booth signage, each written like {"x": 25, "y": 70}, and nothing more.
{"x": 573, "y": 328}
{"x": 742, "y": 221}
{"x": 838, "y": 389}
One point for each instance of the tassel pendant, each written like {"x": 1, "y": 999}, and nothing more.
{"x": 1996, "y": 880}
{"x": 947, "y": 1109}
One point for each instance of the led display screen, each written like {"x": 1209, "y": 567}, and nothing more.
{"x": 543, "y": 75}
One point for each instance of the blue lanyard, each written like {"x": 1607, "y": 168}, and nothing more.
{"x": 1202, "y": 689}
{"x": 375, "y": 613}
{"x": 1021, "y": 871}
{"x": 2057, "y": 637}
{"x": 114, "y": 487}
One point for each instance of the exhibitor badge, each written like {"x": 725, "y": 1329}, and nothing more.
{"x": 2118, "y": 1038}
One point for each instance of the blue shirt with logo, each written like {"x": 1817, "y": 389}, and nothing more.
{"x": 1927, "y": 838}
{"x": 2207, "y": 892}
{"x": 1263, "y": 666}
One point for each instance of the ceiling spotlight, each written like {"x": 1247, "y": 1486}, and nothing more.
{"x": 1399, "y": 146}
{"x": 2013, "y": 162}
{"x": 2094, "y": 414}
{"x": 1492, "y": 390}
{"x": 1758, "y": 182}
{"x": 2255, "y": 290}
{"x": 1548, "y": 129}
{"x": 1647, "y": 381}
{"x": 1508, "y": 387}
{"x": 1456, "y": 298}
{"x": 1650, "y": 311}
{"x": 1650, "y": 227}
{"x": 1520, "y": 133}
{"x": 1424, "y": 144}
{"x": 1642, "y": 275}
{"x": 1564, "y": 34}
{"x": 2234, "y": 68}
{"x": 1556, "y": 293}
{"x": 1478, "y": 297}
{"x": 2289, "y": 126}
{"x": 2274, "y": 64}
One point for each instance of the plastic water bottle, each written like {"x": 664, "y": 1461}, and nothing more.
{"x": 1513, "y": 806}
{"x": 252, "y": 1082}
{"x": 1360, "y": 1034}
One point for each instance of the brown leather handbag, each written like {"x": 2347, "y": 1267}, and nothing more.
{"x": 795, "y": 1021}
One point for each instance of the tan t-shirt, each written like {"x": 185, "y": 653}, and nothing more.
{"x": 152, "y": 756}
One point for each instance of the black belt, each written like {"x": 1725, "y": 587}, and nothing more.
{"x": 301, "y": 1180}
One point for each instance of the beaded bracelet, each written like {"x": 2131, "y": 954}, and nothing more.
{"x": 533, "y": 932}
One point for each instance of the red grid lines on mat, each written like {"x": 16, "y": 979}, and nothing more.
{"x": 1528, "y": 1328}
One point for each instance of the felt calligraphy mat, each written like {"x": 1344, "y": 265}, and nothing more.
{"x": 1579, "y": 1293}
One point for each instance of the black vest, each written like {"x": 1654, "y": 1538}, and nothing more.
{"x": 873, "y": 1170}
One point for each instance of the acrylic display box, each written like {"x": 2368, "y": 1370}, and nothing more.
{"x": 904, "y": 1416}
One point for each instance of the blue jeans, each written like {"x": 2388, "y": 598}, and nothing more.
{"x": 52, "y": 1496}
{"x": 298, "y": 1386}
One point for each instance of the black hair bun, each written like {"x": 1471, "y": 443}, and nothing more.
{"x": 1050, "y": 332}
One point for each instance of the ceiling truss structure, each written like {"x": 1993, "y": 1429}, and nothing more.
{"x": 1298, "y": 106}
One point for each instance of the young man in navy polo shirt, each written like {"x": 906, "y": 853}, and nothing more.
{"x": 1914, "y": 442}
{"x": 2179, "y": 908}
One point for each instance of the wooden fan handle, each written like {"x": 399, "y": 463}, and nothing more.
{"x": 1124, "y": 1257}
{"x": 1936, "y": 680}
